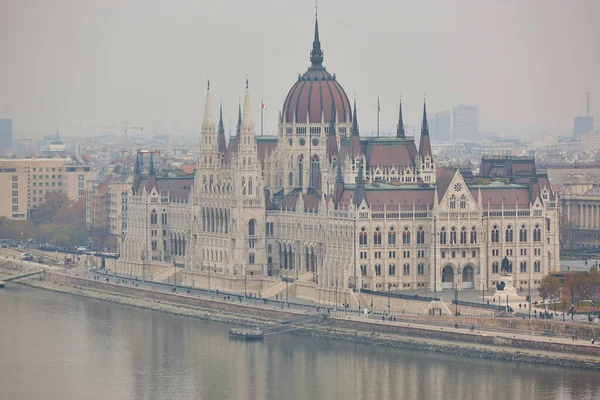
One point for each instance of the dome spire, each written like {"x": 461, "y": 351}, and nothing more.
{"x": 221, "y": 125}
{"x": 400, "y": 127}
{"x": 354, "y": 128}
{"x": 316, "y": 54}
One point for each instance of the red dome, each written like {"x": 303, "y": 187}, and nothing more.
{"x": 314, "y": 92}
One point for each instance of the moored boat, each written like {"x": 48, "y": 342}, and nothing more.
{"x": 246, "y": 334}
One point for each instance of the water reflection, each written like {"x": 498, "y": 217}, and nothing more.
{"x": 61, "y": 347}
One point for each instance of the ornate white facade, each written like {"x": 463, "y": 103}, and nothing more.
{"x": 337, "y": 211}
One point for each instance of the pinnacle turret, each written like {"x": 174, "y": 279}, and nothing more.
{"x": 400, "y": 127}
{"x": 332, "y": 122}
{"x": 208, "y": 124}
{"x": 316, "y": 54}
{"x": 354, "y": 128}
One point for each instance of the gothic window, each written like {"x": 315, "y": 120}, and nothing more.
{"x": 315, "y": 170}
{"x": 537, "y": 266}
{"x": 154, "y": 217}
{"x": 523, "y": 234}
{"x": 420, "y": 236}
{"x": 377, "y": 236}
{"x": 164, "y": 217}
{"x": 244, "y": 186}
{"x": 392, "y": 236}
{"x": 420, "y": 269}
{"x": 473, "y": 235}
{"x": 392, "y": 270}
{"x": 269, "y": 248}
{"x": 363, "y": 270}
{"x": 463, "y": 235}
{"x": 453, "y": 202}
{"x": 154, "y": 245}
{"x": 495, "y": 234}
{"x": 463, "y": 201}
{"x": 508, "y": 234}
{"x": 443, "y": 235}
{"x": 251, "y": 258}
{"x": 251, "y": 227}
{"x": 291, "y": 179}
{"x": 250, "y": 186}
{"x": 406, "y": 269}
{"x": 495, "y": 266}
{"x": 406, "y": 236}
{"x": 537, "y": 234}
{"x": 453, "y": 236}
{"x": 523, "y": 266}
{"x": 363, "y": 236}
{"x": 377, "y": 269}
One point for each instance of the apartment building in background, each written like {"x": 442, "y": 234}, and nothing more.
{"x": 31, "y": 179}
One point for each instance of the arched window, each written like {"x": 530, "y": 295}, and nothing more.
{"x": 420, "y": 236}
{"x": 251, "y": 227}
{"x": 453, "y": 235}
{"x": 363, "y": 270}
{"x": 251, "y": 258}
{"x": 473, "y": 235}
{"x": 537, "y": 234}
{"x": 463, "y": 235}
{"x": 406, "y": 236}
{"x": 164, "y": 217}
{"x": 453, "y": 202}
{"x": 315, "y": 171}
{"x": 463, "y": 201}
{"x": 250, "y": 186}
{"x": 154, "y": 217}
{"x": 523, "y": 233}
{"x": 523, "y": 266}
{"x": 495, "y": 234}
{"x": 406, "y": 269}
{"x": 392, "y": 236}
{"x": 537, "y": 266}
{"x": 508, "y": 234}
{"x": 495, "y": 267}
{"x": 244, "y": 186}
{"x": 291, "y": 179}
{"x": 443, "y": 235}
{"x": 269, "y": 248}
{"x": 392, "y": 269}
{"x": 363, "y": 236}
{"x": 377, "y": 269}
{"x": 377, "y": 236}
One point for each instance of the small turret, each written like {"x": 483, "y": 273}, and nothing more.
{"x": 400, "y": 127}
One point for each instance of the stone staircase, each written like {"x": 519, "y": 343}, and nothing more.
{"x": 275, "y": 289}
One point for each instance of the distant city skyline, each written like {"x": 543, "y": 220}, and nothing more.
{"x": 71, "y": 60}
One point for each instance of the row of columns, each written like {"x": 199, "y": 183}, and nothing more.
{"x": 584, "y": 216}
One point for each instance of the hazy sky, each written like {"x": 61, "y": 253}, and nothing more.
{"x": 526, "y": 63}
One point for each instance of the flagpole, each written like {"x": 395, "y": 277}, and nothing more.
{"x": 378, "y": 108}
{"x": 262, "y": 109}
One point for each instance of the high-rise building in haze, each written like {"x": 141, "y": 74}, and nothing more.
{"x": 465, "y": 122}
{"x": 5, "y": 135}
{"x": 584, "y": 124}
{"x": 442, "y": 126}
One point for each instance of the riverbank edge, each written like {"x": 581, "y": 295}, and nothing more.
{"x": 326, "y": 331}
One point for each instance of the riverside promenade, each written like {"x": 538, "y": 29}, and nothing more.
{"x": 342, "y": 323}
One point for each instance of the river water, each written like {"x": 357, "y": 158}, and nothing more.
{"x": 55, "y": 346}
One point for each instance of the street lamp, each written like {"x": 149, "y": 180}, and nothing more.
{"x": 389, "y": 288}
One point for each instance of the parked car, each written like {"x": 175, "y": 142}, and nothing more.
{"x": 27, "y": 257}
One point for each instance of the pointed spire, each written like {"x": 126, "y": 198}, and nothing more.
{"x": 424, "y": 125}
{"x": 221, "y": 143}
{"x": 333, "y": 118}
{"x": 339, "y": 177}
{"x": 400, "y": 127}
{"x": 238, "y": 129}
{"x": 354, "y": 128}
{"x": 221, "y": 125}
{"x": 316, "y": 54}
{"x": 208, "y": 122}
{"x": 425, "y": 143}
{"x": 360, "y": 179}
{"x": 247, "y": 123}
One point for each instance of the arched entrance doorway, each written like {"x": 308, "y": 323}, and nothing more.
{"x": 468, "y": 277}
{"x": 447, "y": 277}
